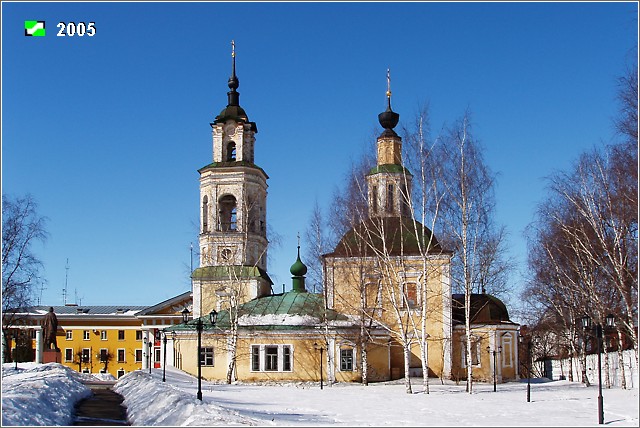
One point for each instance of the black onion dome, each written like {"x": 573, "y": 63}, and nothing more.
{"x": 388, "y": 119}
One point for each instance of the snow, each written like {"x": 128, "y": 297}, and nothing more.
{"x": 151, "y": 402}
{"x": 278, "y": 319}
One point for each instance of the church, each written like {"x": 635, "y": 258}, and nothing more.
{"x": 386, "y": 309}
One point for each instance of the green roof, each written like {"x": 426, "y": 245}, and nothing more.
{"x": 231, "y": 164}
{"x": 230, "y": 273}
{"x": 390, "y": 167}
{"x": 285, "y": 304}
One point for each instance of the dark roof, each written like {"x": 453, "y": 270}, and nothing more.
{"x": 485, "y": 309}
{"x": 168, "y": 302}
{"x": 237, "y": 113}
{"x": 396, "y": 235}
{"x": 231, "y": 272}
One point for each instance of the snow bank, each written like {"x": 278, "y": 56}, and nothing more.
{"x": 178, "y": 408}
{"x": 278, "y": 319}
{"x": 40, "y": 394}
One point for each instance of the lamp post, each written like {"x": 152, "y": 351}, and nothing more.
{"x": 522, "y": 340}
{"x": 494, "y": 352}
{"x": 320, "y": 348}
{"x": 587, "y": 326}
{"x": 213, "y": 316}
{"x": 163, "y": 333}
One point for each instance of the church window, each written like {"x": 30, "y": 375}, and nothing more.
{"x": 410, "y": 295}
{"x": 346, "y": 359}
{"x": 390, "y": 198}
{"x": 68, "y": 355}
{"x": 372, "y": 298}
{"x": 231, "y": 151}
{"x": 255, "y": 358}
{"x": 374, "y": 199}
{"x": 228, "y": 213}
{"x": 206, "y": 357}
{"x": 271, "y": 358}
{"x": 507, "y": 357}
{"x": 205, "y": 214}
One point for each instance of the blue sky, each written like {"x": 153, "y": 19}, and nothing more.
{"x": 107, "y": 132}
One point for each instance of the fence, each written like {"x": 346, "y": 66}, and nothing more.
{"x": 560, "y": 369}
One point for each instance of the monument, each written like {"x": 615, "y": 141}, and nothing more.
{"x": 50, "y": 329}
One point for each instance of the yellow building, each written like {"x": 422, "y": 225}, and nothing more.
{"x": 100, "y": 339}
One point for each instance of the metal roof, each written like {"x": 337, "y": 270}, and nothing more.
{"x": 87, "y": 310}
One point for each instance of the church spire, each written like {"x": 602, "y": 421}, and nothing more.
{"x": 234, "y": 96}
{"x": 388, "y": 119}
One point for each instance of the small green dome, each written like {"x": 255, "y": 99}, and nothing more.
{"x": 298, "y": 268}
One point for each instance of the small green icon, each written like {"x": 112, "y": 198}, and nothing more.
{"x": 34, "y": 28}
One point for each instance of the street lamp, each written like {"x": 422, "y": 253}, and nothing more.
{"x": 522, "y": 340}
{"x": 163, "y": 333}
{"x": 494, "y": 352}
{"x": 213, "y": 316}
{"x": 587, "y": 325}
{"x": 320, "y": 348}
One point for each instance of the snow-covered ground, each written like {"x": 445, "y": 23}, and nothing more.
{"x": 27, "y": 400}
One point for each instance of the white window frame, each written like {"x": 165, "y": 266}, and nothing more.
{"x": 124, "y": 355}
{"x": 208, "y": 353}
{"x": 103, "y": 335}
{"x": 474, "y": 340}
{"x": 350, "y": 349}
{"x": 124, "y": 335}
{"x": 507, "y": 357}
{"x": 67, "y": 360}
{"x": 262, "y": 358}
{"x": 118, "y": 375}
{"x": 139, "y": 350}
{"x": 86, "y": 335}
{"x": 69, "y": 334}
{"x": 86, "y": 355}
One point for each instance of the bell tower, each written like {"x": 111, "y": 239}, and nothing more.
{"x": 233, "y": 202}
{"x": 389, "y": 182}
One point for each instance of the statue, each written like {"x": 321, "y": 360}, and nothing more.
{"x": 50, "y": 327}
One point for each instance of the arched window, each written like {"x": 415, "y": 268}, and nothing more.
{"x": 205, "y": 214}
{"x": 231, "y": 151}
{"x": 227, "y": 213}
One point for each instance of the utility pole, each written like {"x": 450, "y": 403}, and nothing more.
{"x": 66, "y": 278}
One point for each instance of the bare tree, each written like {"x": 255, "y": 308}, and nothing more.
{"x": 22, "y": 226}
{"x": 466, "y": 218}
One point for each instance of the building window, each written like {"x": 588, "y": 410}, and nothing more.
{"x": 271, "y": 358}
{"x": 227, "y": 208}
{"x": 120, "y": 334}
{"x": 121, "y": 355}
{"x": 286, "y": 359}
{"x": 103, "y": 371}
{"x": 410, "y": 295}
{"x": 120, "y": 373}
{"x": 138, "y": 355}
{"x": 69, "y": 334}
{"x": 346, "y": 359}
{"x": 507, "y": 358}
{"x": 104, "y": 355}
{"x": 390, "y": 198}
{"x": 255, "y": 358}
{"x": 86, "y": 355}
{"x": 85, "y": 334}
{"x": 374, "y": 199}
{"x": 103, "y": 335}
{"x": 205, "y": 214}
{"x": 475, "y": 351}
{"x": 231, "y": 151}
{"x": 68, "y": 355}
{"x": 157, "y": 354}
{"x": 138, "y": 335}
{"x": 206, "y": 357}
{"x": 85, "y": 370}
{"x": 372, "y": 297}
